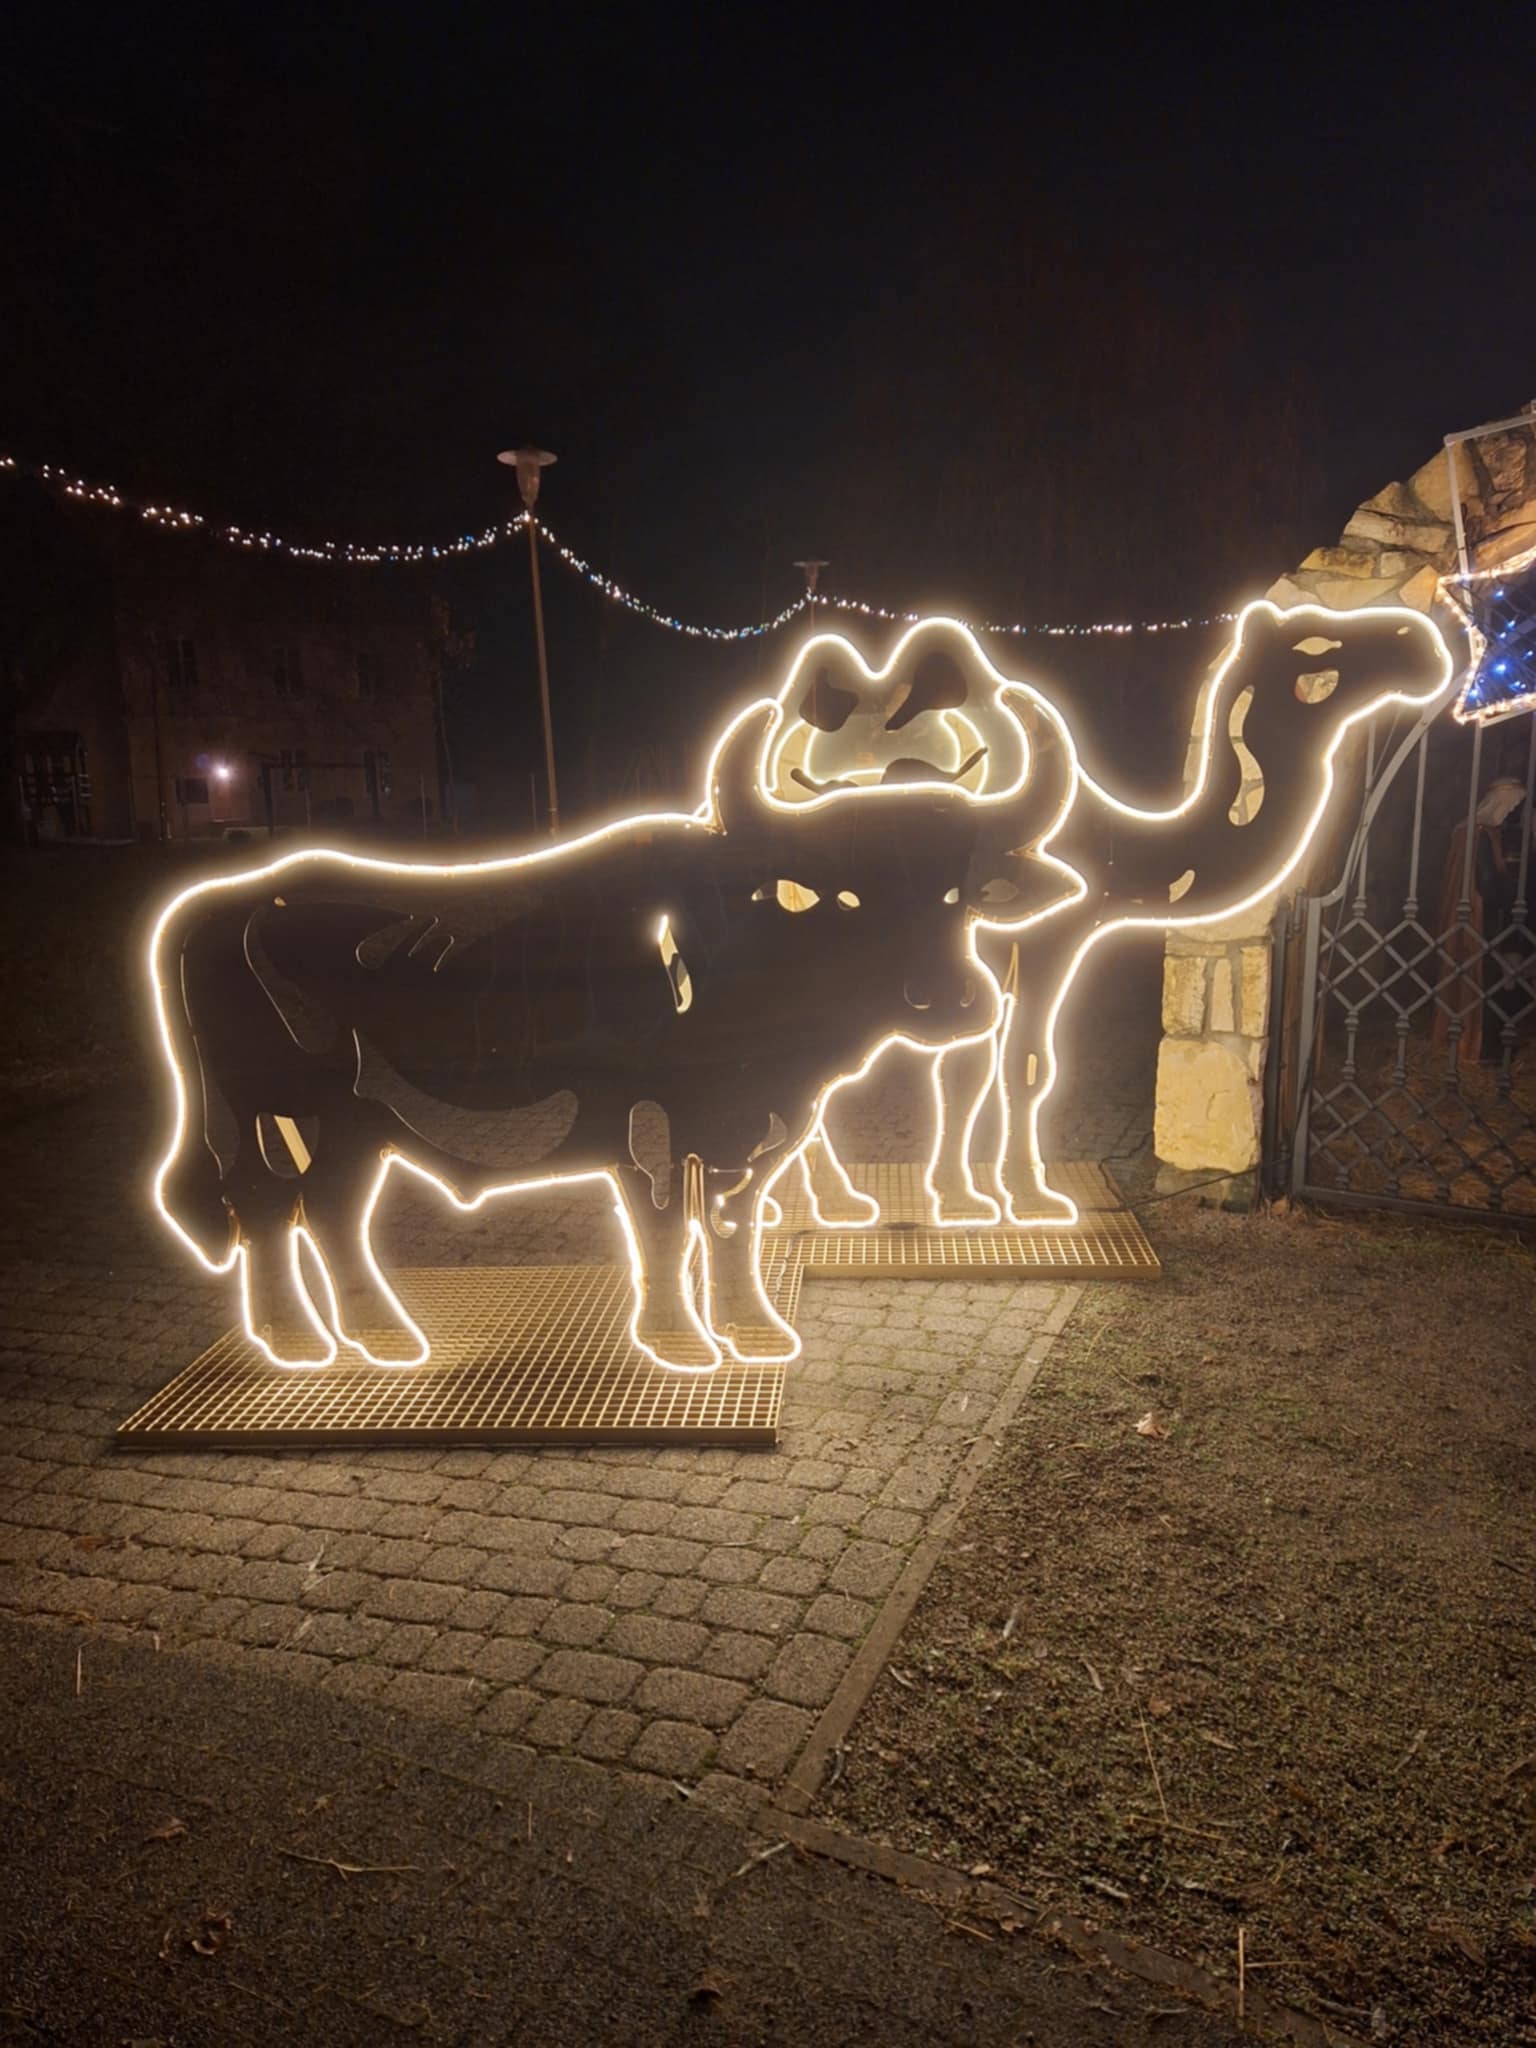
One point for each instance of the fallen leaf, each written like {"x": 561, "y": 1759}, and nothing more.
{"x": 167, "y": 1831}
{"x": 979, "y": 1870}
{"x": 1158, "y": 1708}
{"x": 1150, "y": 1426}
{"x": 1217, "y": 1741}
{"x": 708, "y": 1988}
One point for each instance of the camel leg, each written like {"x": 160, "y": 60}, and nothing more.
{"x": 962, "y": 1179}
{"x": 835, "y": 1202}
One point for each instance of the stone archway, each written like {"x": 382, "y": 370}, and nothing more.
{"x": 1399, "y": 547}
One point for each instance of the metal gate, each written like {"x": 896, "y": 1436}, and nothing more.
{"x": 1405, "y": 1044}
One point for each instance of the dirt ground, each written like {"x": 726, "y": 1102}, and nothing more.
{"x": 1237, "y": 1632}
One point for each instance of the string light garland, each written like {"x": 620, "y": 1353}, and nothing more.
{"x": 404, "y": 553}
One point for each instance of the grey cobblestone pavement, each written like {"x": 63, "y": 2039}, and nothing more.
{"x": 686, "y": 1614}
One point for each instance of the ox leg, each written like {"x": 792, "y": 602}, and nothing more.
{"x": 666, "y": 1251}
{"x": 338, "y": 1190}
{"x": 962, "y": 1174}
{"x": 741, "y": 1316}
{"x": 280, "y": 1311}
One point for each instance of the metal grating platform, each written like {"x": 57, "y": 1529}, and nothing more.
{"x": 520, "y": 1354}
{"x": 1107, "y": 1237}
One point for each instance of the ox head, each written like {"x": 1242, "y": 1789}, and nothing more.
{"x": 875, "y": 886}
{"x": 931, "y": 713}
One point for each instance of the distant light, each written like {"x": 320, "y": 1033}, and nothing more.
{"x": 221, "y": 771}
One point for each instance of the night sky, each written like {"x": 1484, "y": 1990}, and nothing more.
{"x": 1082, "y": 322}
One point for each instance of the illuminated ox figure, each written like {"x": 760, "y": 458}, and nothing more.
{"x": 678, "y": 992}
{"x": 1273, "y": 716}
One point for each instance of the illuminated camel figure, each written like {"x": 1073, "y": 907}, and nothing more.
{"x": 722, "y": 969}
{"x": 1274, "y": 714}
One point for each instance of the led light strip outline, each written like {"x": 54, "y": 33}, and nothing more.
{"x": 695, "y": 1245}
{"x": 301, "y": 1241}
{"x": 1206, "y": 711}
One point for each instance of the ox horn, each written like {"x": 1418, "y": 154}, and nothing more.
{"x": 736, "y": 771}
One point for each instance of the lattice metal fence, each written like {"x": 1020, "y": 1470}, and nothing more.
{"x": 1407, "y": 1042}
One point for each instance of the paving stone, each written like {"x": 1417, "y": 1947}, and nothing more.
{"x": 609, "y": 1734}
{"x": 764, "y": 1739}
{"x": 398, "y": 1557}
{"x": 712, "y": 1525}
{"x": 452, "y": 1564}
{"x": 656, "y": 1640}
{"x": 822, "y": 1542}
{"x": 589, "y": 1675}
{"x": 731, "y": 1567}
{"x": 866, "y": 1570}
{"x": 643, "y": 1517}
{"x": 412, "y": 1600}
{"x": 557, "y": 1723}
{"x": 406, "y": 1644}
{"x": 691, "y": 1696}
{"x": 680, "y": 1597}
{"x": 891, "y": 1525}
{"x": 834, "y": 1614}
{"x": 453, "y": 1649}
{"x": 792, "y": 1575}
{"x": 729, "y": 1654}
{"x": 342, "y": 1635}
{"x": 509, "y": 1574}
{"x": 430, "y": 1692}
{"x": 807, "y": 1670}
{"x": 508, "y": 1660}
{"x": 635, "y": 1589}
{"x": 576, "y": 1624}
{"x": 740, "y": 1607}
{"x": 591, "y": 1582}
{"x": 918, "y": 1487}
{"x": 765, "y": 1497}
{"x": 675, "y": 1749}
{"x": 508, "y": 1711}
{"x": 666, "y": 1554}
{"x": 412, "y": 1522}
{"x": 588, "y": 1545}
{"x": 404, "y": 1486}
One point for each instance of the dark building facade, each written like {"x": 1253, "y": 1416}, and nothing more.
{"x": 214, "y": 693}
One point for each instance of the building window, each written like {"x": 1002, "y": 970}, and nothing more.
{"x": 287, "y": 672}
{"x": 295, "y": 767}
{"x": 180, "y": 665}
{"x": 191, "y": 789}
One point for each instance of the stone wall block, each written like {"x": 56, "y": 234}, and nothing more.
{"x": 1208, "y": 1106}
{"x": 1254, "y": 966}
{"x": 1223, "y": 1014}
{"x": 1346, "y": 562}
{"x": 1184, "y": 995}
{"x": 1343, "y": 593}
{"x": 1426, "y": 537}
{"x": 1431, "y": 485}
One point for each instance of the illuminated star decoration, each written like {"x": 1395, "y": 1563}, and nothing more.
{"x": 1502, "y": 611}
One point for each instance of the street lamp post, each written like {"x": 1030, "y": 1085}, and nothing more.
{"x": 529, "y": 462}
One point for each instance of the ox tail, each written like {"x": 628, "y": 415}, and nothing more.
{"x": 188, "y": 1181}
